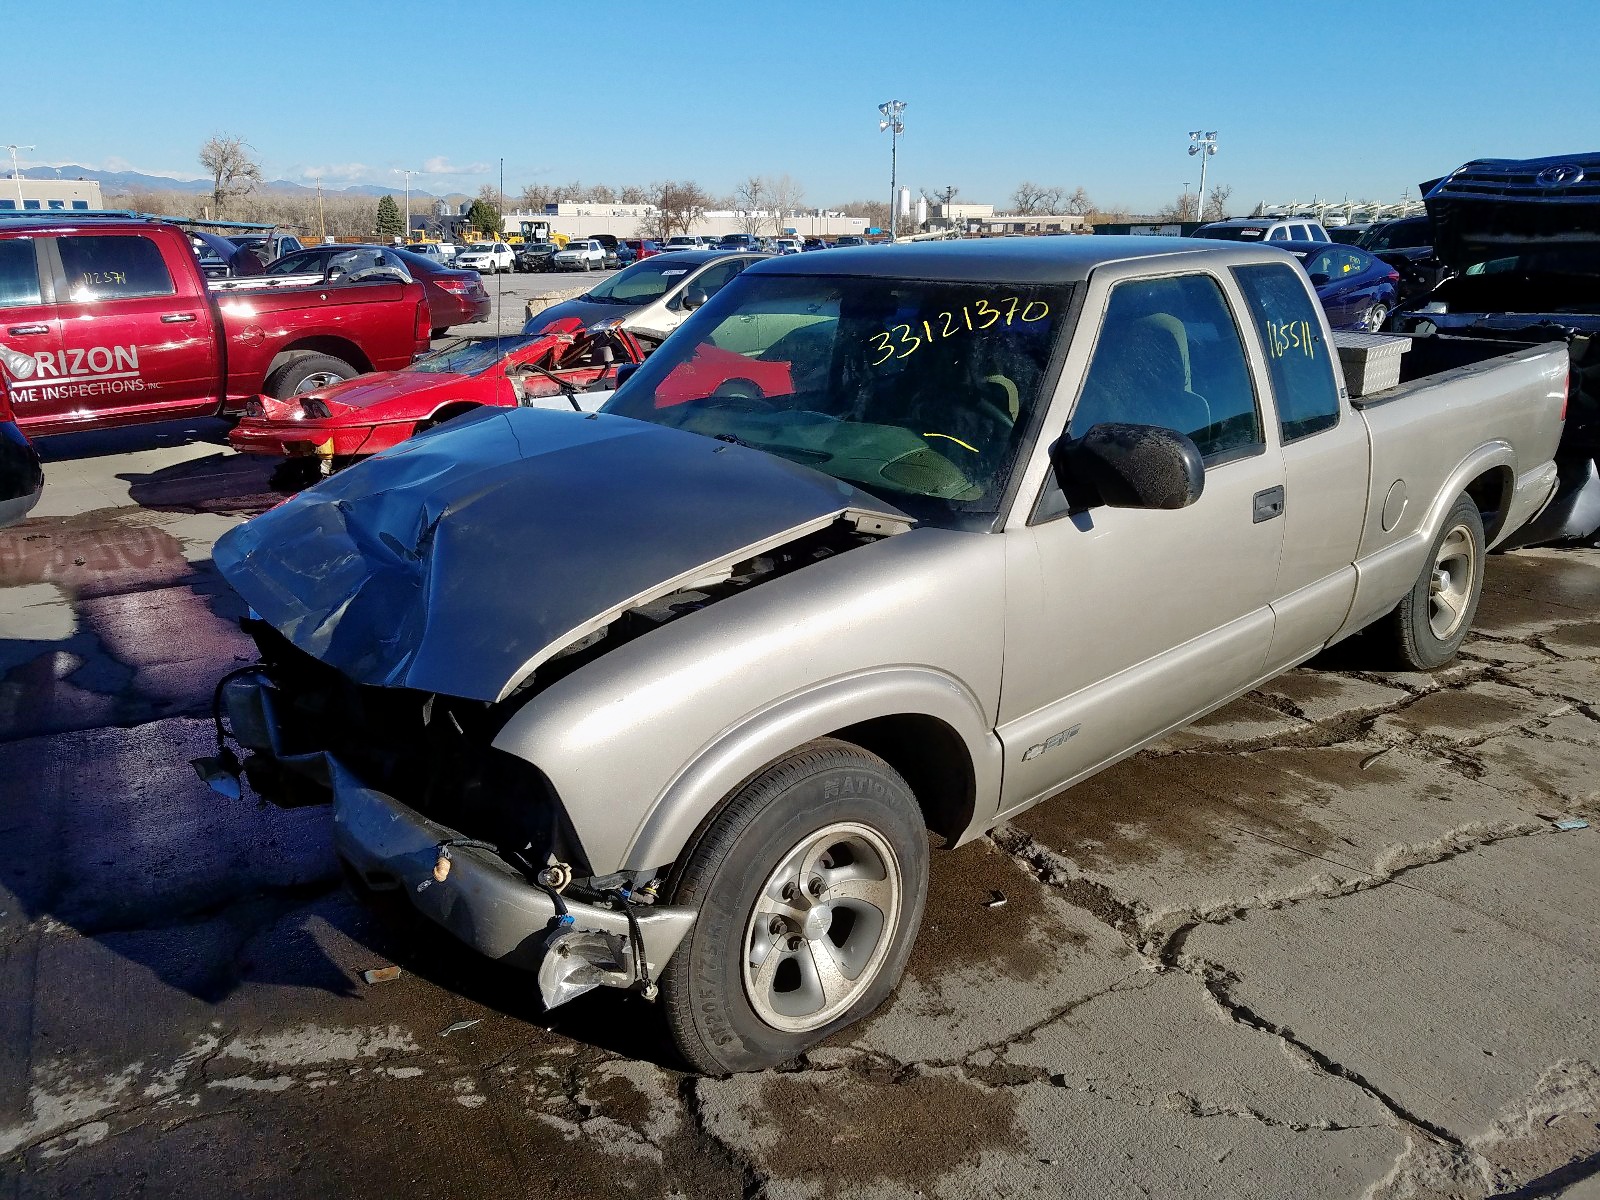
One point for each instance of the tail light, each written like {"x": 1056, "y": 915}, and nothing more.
{"x": 424, "y": 327}
{"x": 457, "y": 287}
{"x": 1566, "y": 394}
{"x": 1393, "y": 276}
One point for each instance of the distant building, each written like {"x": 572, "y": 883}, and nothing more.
{"x": 46, "y": 195}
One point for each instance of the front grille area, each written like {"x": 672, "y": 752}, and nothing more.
{"x": 432, "y": 753}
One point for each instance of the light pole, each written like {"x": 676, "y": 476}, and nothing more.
{"x": 15, "y": 177}
{"x": 1186, "y": 186}
{"x": 1205, "y": 145}
{"x": 408, "y": 173}
{"x": 893, "y": 111}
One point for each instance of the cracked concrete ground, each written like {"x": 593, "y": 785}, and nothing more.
{"x": 1331, "y": 941}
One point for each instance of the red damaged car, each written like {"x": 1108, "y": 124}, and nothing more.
{"x": 557, "y": 367}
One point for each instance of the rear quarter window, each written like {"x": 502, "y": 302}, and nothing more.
{"x": 113, "y": 267}
{"x": 1297, "y": 356}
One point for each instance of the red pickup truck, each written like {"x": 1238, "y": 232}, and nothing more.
{"x": 112, "y": 322}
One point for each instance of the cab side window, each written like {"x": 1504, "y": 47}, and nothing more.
{"x": 1297, "y": 357}
{"x": 714, "y": 279}
{"x": 108, "y": 267}
{"x": 1170, "y": 354}
{"x": 19, "y": 278}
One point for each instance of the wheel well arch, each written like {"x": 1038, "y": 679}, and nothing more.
{"x": 449, "y": 410}
{"x": 335, "y": 347}
{"x": 933, "y": 760}
{"x": 926, "y": 725}
{"x": 1491, "y": 491}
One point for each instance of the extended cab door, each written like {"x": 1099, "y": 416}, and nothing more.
{"x": 137, "y": 331}
{"x": 1326, "y": 460}
{"x": 29, "y": 326}
{"x": 1124, "y": 622}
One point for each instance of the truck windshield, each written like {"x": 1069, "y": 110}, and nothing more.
{"x": 919, "y": 392}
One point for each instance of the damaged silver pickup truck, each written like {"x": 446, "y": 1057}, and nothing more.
{"x": 881, "y": 542}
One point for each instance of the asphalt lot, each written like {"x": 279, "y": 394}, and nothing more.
{"x": 1329, "y": 942}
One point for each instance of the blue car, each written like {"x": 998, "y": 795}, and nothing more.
{"x": 1357, "y": 290}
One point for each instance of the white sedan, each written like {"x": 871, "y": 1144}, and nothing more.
{"x": 586, "y": 255}
{"x": 486, "y": 258}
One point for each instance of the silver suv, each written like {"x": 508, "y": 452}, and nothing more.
{"x": 1264, "y": 229}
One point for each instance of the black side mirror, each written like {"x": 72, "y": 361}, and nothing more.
{"x": 1129, "y": 466}
{"x": 1319, "y": 280}
{"x": 624, "y": 371}
{"x": 693, "y": 299}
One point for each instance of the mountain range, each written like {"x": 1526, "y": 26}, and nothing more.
{"x": 135, "y": 181}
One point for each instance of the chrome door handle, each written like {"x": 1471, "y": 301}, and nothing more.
{"x": 177, "y": 318}
{"x": 24, "y": 330}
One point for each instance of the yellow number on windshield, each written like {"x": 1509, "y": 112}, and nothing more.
{"x": 910, "y": 341}
{"x": 985, "y": 309}
{"x": 887, "y": 347}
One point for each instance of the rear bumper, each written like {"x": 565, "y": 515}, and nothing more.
{"x": 300, "y": 439}
{"x": 21, "y": 476}
{"x": 1572, "y": 512}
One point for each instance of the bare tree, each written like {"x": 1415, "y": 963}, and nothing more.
{"x": 493, "y": 197}
{"x": 675, "y": 207}
{"x": 633, "y": 194}
{"x": 599, "y": 194}
{"x": 535, "y": 196}
{"x": 1028, "y": 198}
{"x": 786, "y": 195}
{"x": 1078, "y": 203}
{"x": 874, "y": 213}
{"x": 1182, "y": 208}
{"x": 234, "y": 172}
{"x": 1217, "y": 203}
{"x": 750, "y": 201}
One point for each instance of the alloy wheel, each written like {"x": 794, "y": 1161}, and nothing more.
{"x": 821, "y": 927}
{"x": 1451, "y": 584}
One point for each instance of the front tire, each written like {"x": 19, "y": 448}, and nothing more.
{"x": 810, "y": 883}
{"x": 1429, "y": 625}
{"x": 1376, "y": 316}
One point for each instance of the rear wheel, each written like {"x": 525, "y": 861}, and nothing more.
{"x": 810, "y": 885}
{"x": 1376, "y": 316}
{"x": 306, "y": 373}
{"x": 1429, "y": 625}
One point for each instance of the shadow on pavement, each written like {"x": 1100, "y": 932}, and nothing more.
{"x": 132, "y": 439}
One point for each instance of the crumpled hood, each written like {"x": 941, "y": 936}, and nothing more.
{"x": 1496, "y": 208}
{"x": 459, "y": 560}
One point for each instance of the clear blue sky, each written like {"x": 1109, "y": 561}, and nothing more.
{"x": 1355, "y": 98}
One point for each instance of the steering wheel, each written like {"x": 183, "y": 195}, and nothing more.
{"x": 743, "y": 395}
